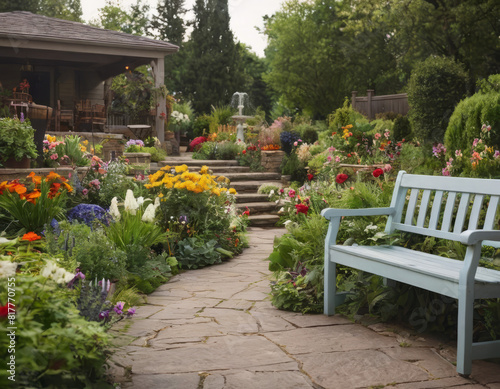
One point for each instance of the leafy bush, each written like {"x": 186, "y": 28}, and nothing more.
{"x": 207, "y": 151}
{"x": 99, "y": 258}
{"x": 467, "y": 120}
{"x": 194, "y": 253}
{"x": 401, "y": 128}
{"x": 344, "y": 116}
{"x": 56, "y": 347}
{"x": 435, "y": 87}
{"x": 308, "y": 133}
{"x": 227, "y": 150}
{"x": 157, "y": 154}
{"x": 16, "y": 140}
{"x": 201, "y": 125}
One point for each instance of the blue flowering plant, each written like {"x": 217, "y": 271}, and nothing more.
{"x": 88, "y": 214}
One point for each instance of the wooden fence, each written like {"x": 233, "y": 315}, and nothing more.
{"x": 370, "y": 104}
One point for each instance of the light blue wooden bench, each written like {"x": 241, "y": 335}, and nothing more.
{"x": 442, "y": 207}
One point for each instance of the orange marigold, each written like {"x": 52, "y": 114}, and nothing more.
{"x": 31, "y": 236}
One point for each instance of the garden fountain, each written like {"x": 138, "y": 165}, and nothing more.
{"x": 239, "y": 99}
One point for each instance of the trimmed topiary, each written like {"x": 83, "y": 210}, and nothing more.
{"x": 435, "y": 87}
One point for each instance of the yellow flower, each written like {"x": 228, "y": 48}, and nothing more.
{"x": 223, "y": 189}
{"x": 190, "y": 186}
{"x": 232, "y": 191}
{"x": 85, "y": 142}
{"x": 204, "y": 169}
{"x": 216, "y": 191}
{"x": 155, "y": 176}
{"x": 160, "y": 195}
{"x": 51, "y": 138}
{"x": 83, "y": 149}
{"x": 221, "y": 179}
{"x": 166, "y": 167}
{"x": 181, "y": 169}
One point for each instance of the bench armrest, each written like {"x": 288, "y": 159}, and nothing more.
{"x": 471, "y": 237}
{"x": 330, "y": 213}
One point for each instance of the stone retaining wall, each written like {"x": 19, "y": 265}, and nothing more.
{"x": 271, "y": 160}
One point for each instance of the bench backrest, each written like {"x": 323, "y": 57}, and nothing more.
{"x": 444, "y": 207}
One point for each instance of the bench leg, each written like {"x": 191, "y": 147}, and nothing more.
{"x": 330, "y": 288}
{"x": 464, "y": 341}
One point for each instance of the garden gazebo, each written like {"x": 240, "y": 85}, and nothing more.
{"x": 68, "y": 61}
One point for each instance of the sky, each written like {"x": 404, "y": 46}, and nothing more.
{"x": 245, "y": 16}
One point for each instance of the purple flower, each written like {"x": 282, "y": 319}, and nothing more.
{"x": 104, "y": 315}
{"x": 131, "y": 312}
{"x": 119, "y": 307}
{"x": 22, "y": 117}
{"x": 183, "y": 219}
{"x": 80, "y": 275}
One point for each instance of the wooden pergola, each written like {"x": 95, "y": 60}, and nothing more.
{"x": 74, "y": 60}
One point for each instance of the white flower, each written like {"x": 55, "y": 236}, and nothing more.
{"x": 157, "y": 202}
{"x": 130, "y": 202}
{"x": 140, "y": 201}
{"x": 149, "y": 214}
{"x": 281, "y": 211}
{"x": 370, "y": 227}
{"x": 7, "y": 269}
{"x": 113, "y": 209}
{"x": 58, "y": 274}
{"x": 271, "y": 193}
{"x": 287, "y": 222}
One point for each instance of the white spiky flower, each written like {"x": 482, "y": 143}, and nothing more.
{"x": 113, "y": 209}
{"x": 130, "y": 202}
{"x": 149, "y": 214}
{"x": 140, "y": 201}
{"x": 157, "y": 202}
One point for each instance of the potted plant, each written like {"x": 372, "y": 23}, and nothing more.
{"x": 17, "y": 145}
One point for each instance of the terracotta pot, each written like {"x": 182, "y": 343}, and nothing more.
{"x": 169, "y": 135}
{"x": 12, "y": 163}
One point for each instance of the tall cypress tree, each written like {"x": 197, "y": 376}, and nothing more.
{"x": 214, "y": 70}
{"x": 169, "y": 26}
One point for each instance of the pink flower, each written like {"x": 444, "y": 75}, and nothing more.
{"x": 54, "y": 156}
{"x": 337, "y": 159}
{"x": 387, "y": 168}
{"x": 291, "y": 193}
{"x": 377, "y": 136}
{"x": 295, "y": 143}
{"x": 85, "y": 191}
{"x": 445, "y": 172}
{"x": 497, "y": 154}
{"x": 329, "y": 158}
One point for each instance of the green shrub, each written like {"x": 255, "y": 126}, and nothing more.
{"x": 435, "y": 87}
{"x": 56, "y": 347}
{"x": 193, "y": 253}
{"x": 344, "y": 116}
{"x": 201, "y": 125}
{"x": 468, "y": 118}
{"x": 208, "y": 151}
{"x": 401, "y": 128}
{"x": 98, "y": 257}
{"x": 156, "y": 153}
{"x": 227, "y": 150}
{"x": 380, "y": 126}
{"x": 491, "y": 84}
{"x": 308, "y": 133}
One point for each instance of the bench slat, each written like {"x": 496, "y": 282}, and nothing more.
{"x": 490, "y": 218}
{"x": 424, "y": 205}
{"x": 448, "y": 211}
{"x": 412, "y": 204}
{"x": 463, "y": 208}
{"x": 436, "y": 209}
{"x": 432, "y": 265}
{"x": 474, "y": 214}
{"x": 453, "y": 184}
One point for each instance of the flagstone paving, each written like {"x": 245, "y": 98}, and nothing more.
{"x": 214, "y": 328}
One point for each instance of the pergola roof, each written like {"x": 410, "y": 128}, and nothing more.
{"x": 46, "y": 40}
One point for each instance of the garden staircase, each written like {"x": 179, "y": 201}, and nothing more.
{"x": 262, "y": 212}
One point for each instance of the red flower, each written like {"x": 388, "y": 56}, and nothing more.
{"x": 244, "y": 151}
{"x": 302, "y": 208}
{"x": 341, "y": 178}
{"x": 310, "y": 176}
{"x": 4, "y": 311}
{"x": 31, "y": 236}
{"x": 377, "y": 172}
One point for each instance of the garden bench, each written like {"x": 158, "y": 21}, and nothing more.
{"x": 464, "y": 210}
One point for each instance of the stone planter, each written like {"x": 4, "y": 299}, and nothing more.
{"x": 12, "y": 163}
{"x": 138, "y": 158}
{"x": 271, "y": 160}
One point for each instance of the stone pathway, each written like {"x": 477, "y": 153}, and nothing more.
{"x": 214, "y": 328}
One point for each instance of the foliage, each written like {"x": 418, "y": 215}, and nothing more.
{"x": 34, "y": 204}
{"x": 61, "y": 9}
{"x": 435, "y": 87}
{"x": 69, "y": 150}
{"x": 308, "y": 133}
{"x": 251, "y": 157}
{"x": 194, "y": 253}
{"x": 16, "y": 139}
{"x": 157, "y": 154}
{"x": 218, "y": 151}
{"x": 402, "y": 127}
{"x": 98, "y": 257}
{"x": 56, "y": 347}
{"x": 467, "y": 120}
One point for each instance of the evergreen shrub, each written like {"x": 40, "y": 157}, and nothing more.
{"x": 435, "y": 87}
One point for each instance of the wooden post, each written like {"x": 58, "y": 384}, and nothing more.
{"x": 369, "y": 93}
{"x": 158, "y": 76}
{"x": 354, "y": 93}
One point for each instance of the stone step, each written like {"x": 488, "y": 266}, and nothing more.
{"x": 251, "y": 198}
{"x": 263, "y": 220}
{"x": 196, "y": 162}
{"x": 253, "y": 176}
{"x": 258, "y": 208}
{"x": 217, "y": 170}
{"x": 251, "y": 186}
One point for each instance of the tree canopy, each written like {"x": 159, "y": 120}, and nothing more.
{"x": 61, "y": 9}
